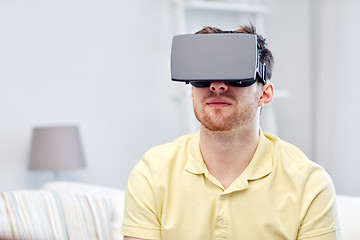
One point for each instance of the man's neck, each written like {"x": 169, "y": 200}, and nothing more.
{"x": 227, "y": 154}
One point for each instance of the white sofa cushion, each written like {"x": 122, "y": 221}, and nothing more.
{"x": 42, "y": 214}
{"x": 349, "y": 216}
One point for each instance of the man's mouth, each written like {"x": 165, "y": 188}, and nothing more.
{"x": 218, "y": 103}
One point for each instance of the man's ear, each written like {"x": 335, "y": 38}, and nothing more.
{"x": 191, "y": 93}
{"x": 267, "y": 94}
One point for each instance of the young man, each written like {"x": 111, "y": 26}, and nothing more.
{"x": 230, "y": 180}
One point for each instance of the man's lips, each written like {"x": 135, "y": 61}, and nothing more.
{"x": 218, "y": 103}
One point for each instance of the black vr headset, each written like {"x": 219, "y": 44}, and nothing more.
{"x": 200, "y": 59}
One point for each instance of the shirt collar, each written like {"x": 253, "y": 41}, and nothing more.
{"x": 259, "y": 166}
{"x": 195, "y": 163}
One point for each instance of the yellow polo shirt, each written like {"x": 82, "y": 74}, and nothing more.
{"x": 281, "y": 195}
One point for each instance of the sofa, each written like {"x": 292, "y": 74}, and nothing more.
{"x": 70, "y": 210}
{"x": 62, "y": 210}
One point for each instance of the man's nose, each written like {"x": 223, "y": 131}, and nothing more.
{"x": 218, "y": 87}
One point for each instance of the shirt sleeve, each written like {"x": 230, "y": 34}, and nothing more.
{"x": 319, "y": 213}
{"x": 141, "y": 218}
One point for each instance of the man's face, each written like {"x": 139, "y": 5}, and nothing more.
{"x": 222, "y": 107}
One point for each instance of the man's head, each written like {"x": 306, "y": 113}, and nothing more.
{"x": 222, "y": 106}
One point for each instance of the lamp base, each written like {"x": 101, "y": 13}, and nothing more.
{"x": 56, "y": 176}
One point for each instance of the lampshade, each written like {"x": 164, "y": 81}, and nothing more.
{"x": 56, "y": 148}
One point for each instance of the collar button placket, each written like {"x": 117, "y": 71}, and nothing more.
{"x": 222, "y": 217}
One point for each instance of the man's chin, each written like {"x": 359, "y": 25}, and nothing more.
{"x": 217, "y": 121}
{"x": 217, "y": 127}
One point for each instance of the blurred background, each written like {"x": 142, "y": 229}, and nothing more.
{"x": 103, "y": 65}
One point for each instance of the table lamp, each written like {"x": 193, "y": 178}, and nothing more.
{"x": 56, "y": 149}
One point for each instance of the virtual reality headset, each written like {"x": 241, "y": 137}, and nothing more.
{"x": 200, "y": 59}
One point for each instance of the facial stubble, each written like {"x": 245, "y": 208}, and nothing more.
{"x": 216, "y": 119}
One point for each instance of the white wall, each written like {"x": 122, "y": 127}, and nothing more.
{"x": 104, "y": 65}
{"x": 337, "y": 99}
{"x": 289, "y": 40}
{"x": 316, "y": 59}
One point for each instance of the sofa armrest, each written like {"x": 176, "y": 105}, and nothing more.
{"x": 116, "y": 196}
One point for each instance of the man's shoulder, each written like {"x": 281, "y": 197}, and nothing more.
{"x": 290, "y": 162}
{"x": 283, "y": 147}
{"x": 170, "y": 154}
{"x": 180, "y": 142}
{"x": 290, "y": 155}
{"x": 170, "y": 148}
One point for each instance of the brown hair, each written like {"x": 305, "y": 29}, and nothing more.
{"x": 265, "y": 54}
